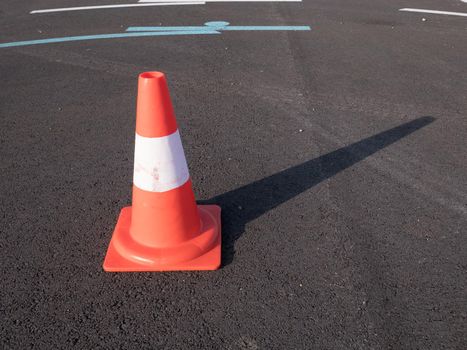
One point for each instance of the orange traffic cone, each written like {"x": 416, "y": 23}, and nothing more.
{"x": 164, "y": 230}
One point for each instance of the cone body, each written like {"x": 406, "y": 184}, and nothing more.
{"x": 164, "y": 229}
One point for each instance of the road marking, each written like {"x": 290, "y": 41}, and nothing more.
{"x": 463, "y": 14}
{"x": 156, "y": 1}
{"x": 148, "y": 3}
{"x": 64, "y": 9}
{"x": 208, "y": 28}
{"x": 217, "y": 26}
{"x": 103, "y": 36}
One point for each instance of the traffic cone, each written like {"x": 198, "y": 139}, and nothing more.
{"x": 164, "y": 229}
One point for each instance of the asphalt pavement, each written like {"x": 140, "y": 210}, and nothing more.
{"x": 337, "y": 154}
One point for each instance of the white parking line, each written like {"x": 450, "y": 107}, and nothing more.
{"x": 117, "y": 6}
{"x": 463, "y": 14}
{"x": 149, "y": 3}
{"x": 156, "y": 1}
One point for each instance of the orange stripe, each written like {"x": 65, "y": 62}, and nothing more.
{"x": 161, "y": 219}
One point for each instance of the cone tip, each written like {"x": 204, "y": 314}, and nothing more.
{"x": 152, "y": 75}
{"x": 155, "y": 116}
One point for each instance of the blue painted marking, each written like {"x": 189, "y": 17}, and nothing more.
{"x": 267, "y": 28}
{"x": 219, "y": 26}
{"x": 166, "y": 29}
{"x": 105, "y": 36}
{"x": 208, "y": 28}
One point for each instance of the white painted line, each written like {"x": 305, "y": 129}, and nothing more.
{"x": 463, "y": 14}
{"x": 157, "y": 1}
{"x": 165, "y": 3}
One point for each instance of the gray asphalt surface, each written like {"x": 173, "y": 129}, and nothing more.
{"x": 338, "y": 156}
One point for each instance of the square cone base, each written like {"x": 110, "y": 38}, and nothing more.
{"x": 210, "y": 260}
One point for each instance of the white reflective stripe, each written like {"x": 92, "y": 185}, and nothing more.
{"x": 160, "y": 163}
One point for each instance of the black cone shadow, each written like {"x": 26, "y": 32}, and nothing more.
{"x": 260, "y": 196}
